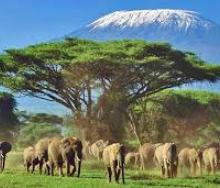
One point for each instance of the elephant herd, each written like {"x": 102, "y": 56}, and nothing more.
{"x": 166, "y": 157}
{"x": 56, "y": 153}
{"x": 51, "y": 153}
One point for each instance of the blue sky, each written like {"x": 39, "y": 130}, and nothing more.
{"x": 29, "y": 21}
{"x": 24, "y": 22}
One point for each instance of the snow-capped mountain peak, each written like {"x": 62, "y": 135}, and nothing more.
{"x": 187, "y": 30}
{"x": 182, "y": 18}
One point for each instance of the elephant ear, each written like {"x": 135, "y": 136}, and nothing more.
{"x": 65, "y": 142}
{"x": 5, "y": 147}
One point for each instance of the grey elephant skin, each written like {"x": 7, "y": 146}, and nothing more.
{"x": 5, "y": 147}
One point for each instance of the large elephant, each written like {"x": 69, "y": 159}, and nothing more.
{"x": 67, "y": 150}
{"x": 72, "y": 149}
{"x": 5, "y": 147}
{"x": 114, "y": 160}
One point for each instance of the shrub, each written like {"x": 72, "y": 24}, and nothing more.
{"x": 32, "y": 132}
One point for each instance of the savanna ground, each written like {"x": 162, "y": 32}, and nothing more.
{"x": 93, "y": 175}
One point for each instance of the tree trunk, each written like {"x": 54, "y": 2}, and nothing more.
{"x": 133, "y": 127}
{"x": 89, "y": 93}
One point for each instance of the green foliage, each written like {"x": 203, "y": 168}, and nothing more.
{"x": 184, "y": 116}
{"x": 8, "y": 118}
{"x": 32, "y": 132}
{"x": 45, "y": 118}
{"x": 7, "y": 107}
{"x": 136, "y": 66}
{"x": 71, "y": 72}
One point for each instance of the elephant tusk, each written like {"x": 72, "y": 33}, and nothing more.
{"x": 2, "y": 155}
{"x": 77, "y": 158}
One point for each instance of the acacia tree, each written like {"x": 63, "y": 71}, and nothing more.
{"x": 80, "y": 73}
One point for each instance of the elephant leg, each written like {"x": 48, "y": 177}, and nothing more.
{"x": 52, "y": 169}
{"x": 40, "y": 166}
{"x": 68, "y": 168}
{"x": 115, "y": 170}
{"x": 199, "y": 164}
{"x": 3, "y": 163}
{"x": 166, "y": 168}
{"x": 73, "y": 170}
{"x": 60, "y": 170}
{"x": 79, "y": 168}
{"x": 33, "y": 168}
{"x": 193, "y": 170}
{"x": 212, "y": 167}
{"x": 142, "y": 163}
{"x": 28, "y": 167}
{"x": 47, "y": 169}
{"x": 109, "y": 174}
{"x": 118, "y": 174}
{"x": 181, "y": 169}
{"x": 163, "y": 171}
{"x": 208, "y": 169}
{"x": 1, "y": 168}
{"x": 174, "y": 170}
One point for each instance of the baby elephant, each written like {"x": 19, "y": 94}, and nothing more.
{"x": 114, "y": 158}
{"x": 30, "y": 158}
{"x": 132, "y": 158}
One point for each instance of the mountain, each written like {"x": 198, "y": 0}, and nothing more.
{"x": 186, "y": 30}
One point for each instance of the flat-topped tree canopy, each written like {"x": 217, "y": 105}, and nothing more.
{"x": 63, "y": 71}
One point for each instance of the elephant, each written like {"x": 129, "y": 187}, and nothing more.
{"x": 73, "y": 149}
{"x": 5, "y": 147}
{"x": 96, "y": 149}
{"x": 189, "y": 158}
{"x": 114, "y": 160}
{"x": 41, "y": 151}
{"x": 211, "y": 159}
{"x": 66, "y": 150}
{"x": 146, "y": 154}
{"x": 210, "y": 156}
{"x": 30, "y": 158}
{"x": 132, "y": 158}
{"x": 166, "y": 157}
{"x": 86, "y": 149}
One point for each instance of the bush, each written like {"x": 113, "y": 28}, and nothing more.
{"x": 32, "y": 132}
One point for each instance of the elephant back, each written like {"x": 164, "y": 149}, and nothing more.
{"x": 5, "y": 147}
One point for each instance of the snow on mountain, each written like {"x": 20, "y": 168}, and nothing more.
{"x": 184, "y": 29}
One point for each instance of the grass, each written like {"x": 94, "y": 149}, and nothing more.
{"x": 93, "y": 175}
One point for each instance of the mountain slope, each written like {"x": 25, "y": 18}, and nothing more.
{"x": 184, "y": 29}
